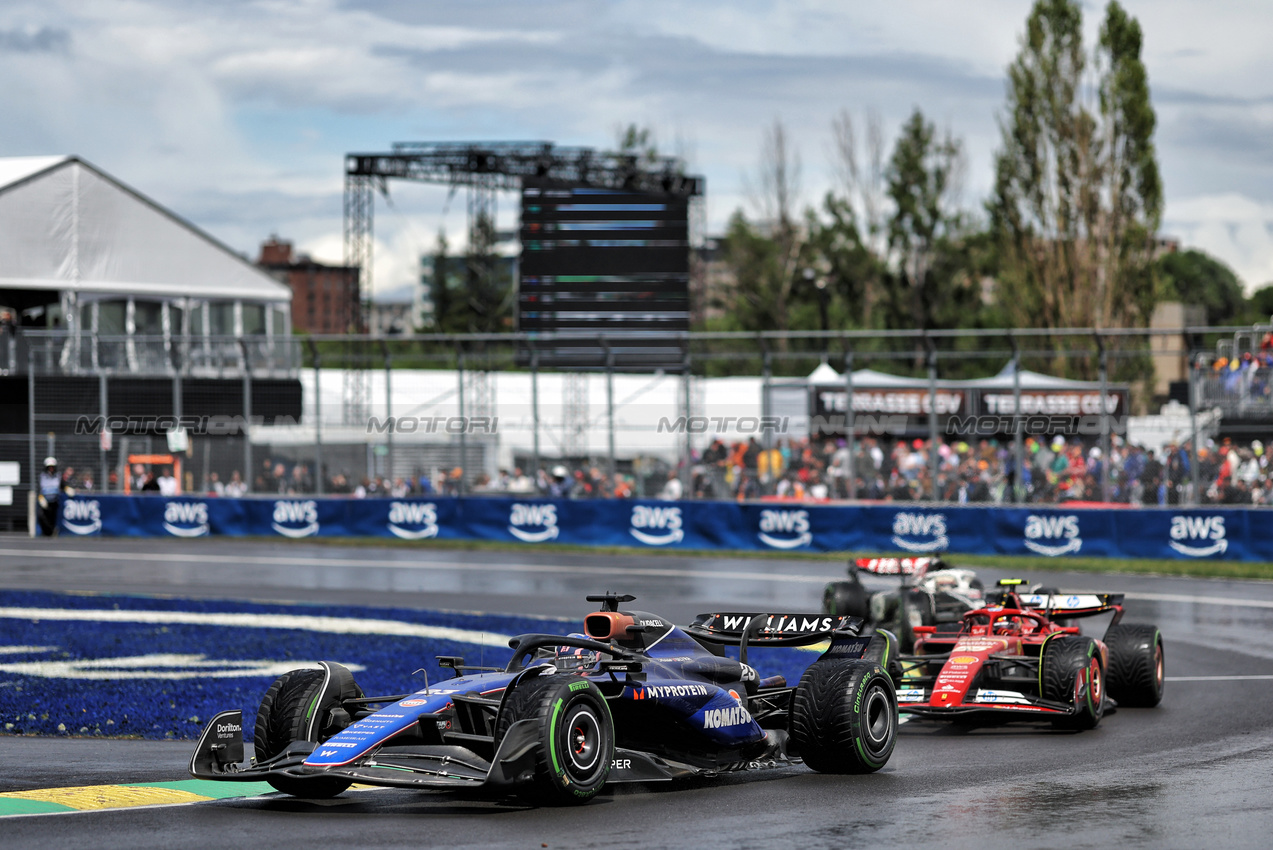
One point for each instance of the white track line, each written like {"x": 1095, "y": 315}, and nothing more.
{"x": 1250, "y": 678}
{"x": 62, "y": 554}
{"x": 330, "y": 625}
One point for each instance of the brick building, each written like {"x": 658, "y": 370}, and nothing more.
{"x": 325, "y": 299}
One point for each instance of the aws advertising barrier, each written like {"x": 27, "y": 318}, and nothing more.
{"x": 1231, "y": 534}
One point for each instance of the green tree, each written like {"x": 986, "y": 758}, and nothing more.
{"x": 923, "y": 177}
{"x": 638, "y": 142}
{"x": 1194, "y": 277}
{"x": 1128, "y": 167}
{"x": 854, "y": 273}
{"x": 1077, "y": 194}
{"x": 1260, "y": 304}
{"x": 757, "y": 262}
{"x": 442, "y": 288}
{"x": 488, "y": 302}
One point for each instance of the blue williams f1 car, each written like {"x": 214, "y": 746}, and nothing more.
{"x": 633, "y": 699}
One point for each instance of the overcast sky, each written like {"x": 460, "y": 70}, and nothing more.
{"x": 236, "y": 113}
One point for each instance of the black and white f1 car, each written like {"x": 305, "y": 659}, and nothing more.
{"x": 633, "y": 699}
{"x": 930, "y": 592}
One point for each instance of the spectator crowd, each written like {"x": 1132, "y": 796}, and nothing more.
{"x": 1056, "y": 471}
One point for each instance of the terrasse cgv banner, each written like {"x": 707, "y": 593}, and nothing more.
{"x": 1230, "y": 534}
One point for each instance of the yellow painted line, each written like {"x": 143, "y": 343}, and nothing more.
{"x": 107, "y": 796}
{"x": 83, "y": 798}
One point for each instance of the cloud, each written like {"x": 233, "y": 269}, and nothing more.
{"x": 43, "y": 40}
{"x": 1234, "y": 227}
{"x": 237, "y": 113}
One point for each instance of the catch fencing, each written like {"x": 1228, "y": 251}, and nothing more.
{"x": 842, "y": 411}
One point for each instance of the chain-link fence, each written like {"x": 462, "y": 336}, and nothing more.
{"x": 1175, "y": 416}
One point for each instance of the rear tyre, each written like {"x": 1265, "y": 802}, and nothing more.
{"x": 915, "y": 608}
{"x": 1070, "y": 672}
{"x": 846, "y": 599}
{"x": 1136, "y": 665}
{"x": 844, "y": 717}
{"x": 884, "y": 650}
{"x": 285, "y": 717}
{"x": 576, "y": 735}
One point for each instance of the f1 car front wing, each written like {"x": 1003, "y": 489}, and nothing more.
{"x": 220, "y": 755}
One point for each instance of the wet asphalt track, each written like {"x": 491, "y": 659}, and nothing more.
{"x": 1193, "y": 773}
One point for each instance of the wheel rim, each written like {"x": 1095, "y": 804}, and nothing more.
{"x": 1158, "y": 666}
{"x": 583, "y": 740}
{"x": 877, "y": 717}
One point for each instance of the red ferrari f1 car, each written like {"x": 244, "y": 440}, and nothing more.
{"x": 1014, "y": 660}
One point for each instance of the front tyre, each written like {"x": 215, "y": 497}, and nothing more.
{"x": 1136, "y": 665}
{"x": 576, "y": 737}
{"x": 1071, "y": 672}
{"x": 844, "y": 717}
{"x": 298, "y": 707}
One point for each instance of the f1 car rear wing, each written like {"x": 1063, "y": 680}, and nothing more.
{"x": 765, "y": 629}
{"x": 911, "y": 570}
{"x": 1073, "y": 605}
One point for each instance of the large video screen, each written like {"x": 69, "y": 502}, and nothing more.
{"x": 605, "y": 263}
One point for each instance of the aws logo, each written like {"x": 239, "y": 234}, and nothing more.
{"x": 413, "y": 520}
{"x": 1041, "y": 530}
{"x": 296, "y": 519}
{"x": 920, "y": 532}
{"x": 773, "y": 522}
{"x": 1209, "y": 530}
{"x": 82, "y": 516}
{"x": 541, "y": 517}
{"x": 186, "y": 519}
{"x": 646, "y": 519}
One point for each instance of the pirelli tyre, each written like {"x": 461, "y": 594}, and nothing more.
{"x": 1070, "y": 672}
{"x": 1136, "y": 665}
{"x": 885, "y": 651}
{"x": 846, "y": 598}
{"x": 844, "y": 716}
{"x": 914, "y": 608}
{"x": 303, "y": 705}
{"x": 576, "y": 735}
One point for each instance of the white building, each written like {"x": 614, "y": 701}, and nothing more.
{"x": 81, "y": 251}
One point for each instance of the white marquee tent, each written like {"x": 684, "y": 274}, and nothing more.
{"x": 79, "y": 248}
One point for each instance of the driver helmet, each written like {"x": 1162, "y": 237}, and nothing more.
{"x": 50, "y": 461}
{"x": 575, "y": 657}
